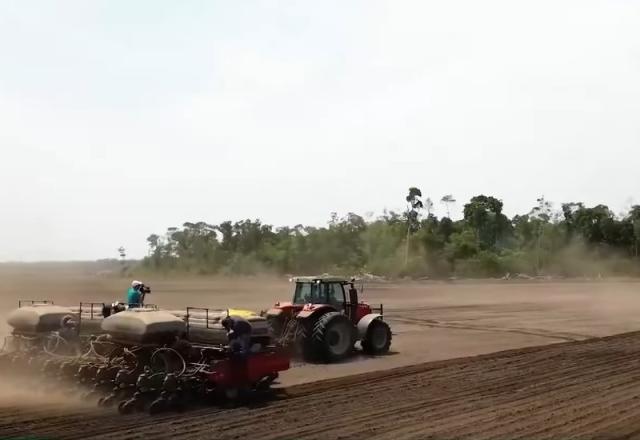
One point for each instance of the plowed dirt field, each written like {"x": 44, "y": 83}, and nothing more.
{"x": 585, "y": 389}
{"x": 586, "y": 384}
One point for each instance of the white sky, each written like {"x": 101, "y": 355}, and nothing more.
{"x": 119, "y": 118}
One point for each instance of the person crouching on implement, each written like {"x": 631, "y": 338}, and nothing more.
{"x": 239, "y": 339}
{"x": 238, "y": 334}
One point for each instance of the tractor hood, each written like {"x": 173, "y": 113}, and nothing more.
{"x": 284, "y": 307}
{"x": 313, "y": 307}
{"x": 302, "y": 310}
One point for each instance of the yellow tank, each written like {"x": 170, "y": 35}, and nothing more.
{"x": 242, "y": 313}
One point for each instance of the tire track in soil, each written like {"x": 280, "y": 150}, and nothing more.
{"x": 319, "y": 397}
{"x": 542, "y": 415}
{"x": 572, "y": 390}
{"x": 470, "y": 397}
{"x": 432, "y": 323}
{"x": 450, "y": 417}
{"x": 584, "y": 389}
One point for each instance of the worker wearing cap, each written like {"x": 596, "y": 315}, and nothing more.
{"x": 238, "y": 334}
{"x": 134, "y": 294}
{"x": 239, "y": 338}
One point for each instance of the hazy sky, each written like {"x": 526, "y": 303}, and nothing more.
{"x": 120, "y": 118}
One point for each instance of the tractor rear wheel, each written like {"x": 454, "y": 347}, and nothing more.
{"x": 333, "y": 336}
{"x": 378, "y": 338}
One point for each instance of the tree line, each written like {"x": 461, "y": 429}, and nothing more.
{"x": 574, "y": 240}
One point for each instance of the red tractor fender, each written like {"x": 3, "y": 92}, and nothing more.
{"x": 280, "y": 308}
{"x": 365, "y": 322}
{"x": 274, "y": 312}
{"x": 314, "y": 310}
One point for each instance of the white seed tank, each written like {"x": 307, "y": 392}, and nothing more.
{"x": 37, "y": 318}
{"x": 141, "y": 326}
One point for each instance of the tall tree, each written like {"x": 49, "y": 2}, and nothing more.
{"x": 569, "y": 212}
{"x": 484, "y": 215}
{"x": 414, "y": 205}
{"x": 448, "y": 200}
{"x": 428, "y": 206}
{"x": 541, "y": 213}
{"x": 634, "y": 216}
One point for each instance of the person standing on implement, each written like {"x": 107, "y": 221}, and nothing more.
{"x": 135, "y": 294}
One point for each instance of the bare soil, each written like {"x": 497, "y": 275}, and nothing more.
{"x": 580, "y": 386}
{"x": 586, "y": 390}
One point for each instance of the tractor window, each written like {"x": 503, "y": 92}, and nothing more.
{"x": 307, "y": 293}
{"x": 335, "y": 294}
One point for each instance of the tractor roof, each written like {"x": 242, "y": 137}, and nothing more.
{"x": 320, "y": 278}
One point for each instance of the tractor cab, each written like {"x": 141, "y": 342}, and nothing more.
{"x": 325, "y": 315}
{"x": 337, "y": 293}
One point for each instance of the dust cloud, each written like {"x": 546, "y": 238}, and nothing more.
{"x": 19, "y": 391}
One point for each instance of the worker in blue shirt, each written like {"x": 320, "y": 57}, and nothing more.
{"x": 135, "y": 294}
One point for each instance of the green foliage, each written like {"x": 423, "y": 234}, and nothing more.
{"x": 578, "y": 241}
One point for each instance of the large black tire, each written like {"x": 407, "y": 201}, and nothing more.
{"x": 378, "y": 338}
{"x": 333, "y": 337}
{"x": 304, "y": 345}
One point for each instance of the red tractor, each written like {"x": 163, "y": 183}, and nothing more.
{"x": 325, "y": 320}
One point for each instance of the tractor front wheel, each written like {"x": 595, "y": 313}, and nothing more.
{"x": 333, "y": 336}
{"x": 378, "y": 338}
